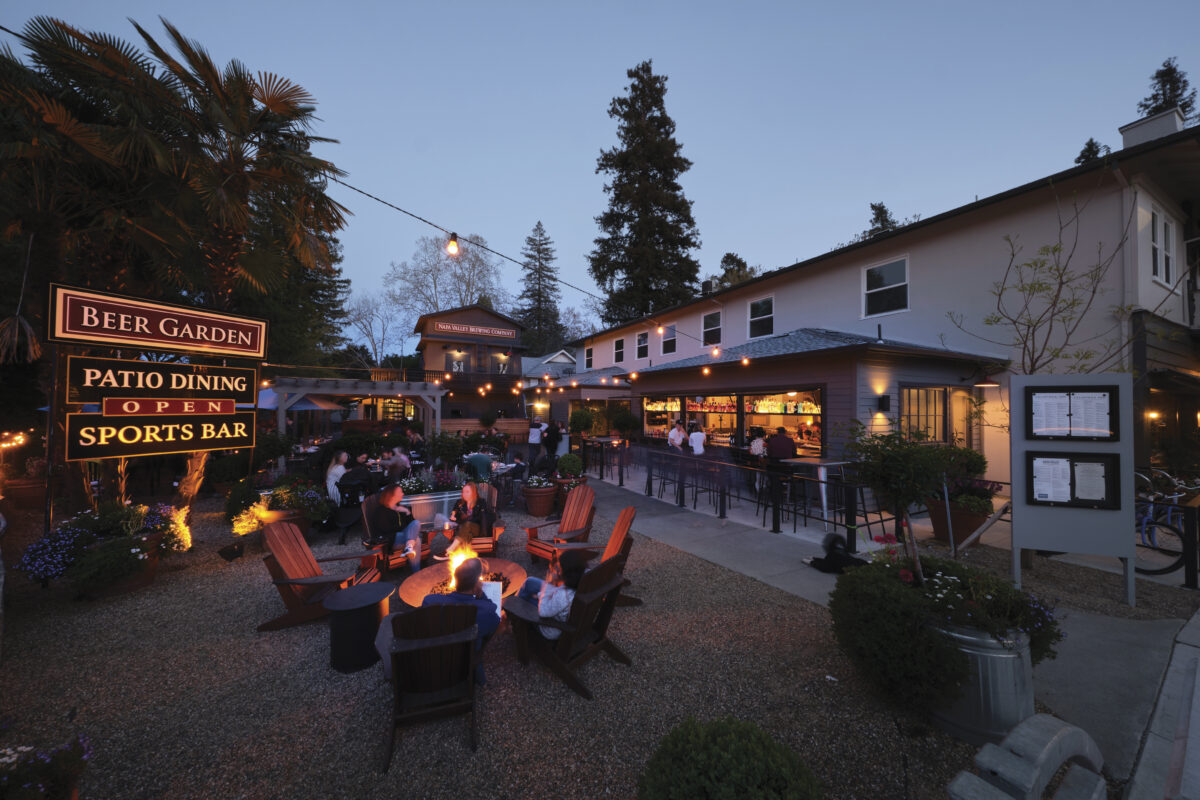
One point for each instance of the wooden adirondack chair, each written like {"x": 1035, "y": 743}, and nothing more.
{"x": 575, "y": 525}
{"x": 585, "y": 633}
{"x": 485, "y": 543}
{"x": 433, "y": 667}
{"x": 619, "y": 543}
{"x": 389, "y": 558}
{"x": 299, "y": 578}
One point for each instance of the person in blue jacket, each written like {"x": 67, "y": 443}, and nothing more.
{"x": 467, "y": 591}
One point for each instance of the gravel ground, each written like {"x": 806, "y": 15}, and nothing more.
{"x": 182, "y": 698}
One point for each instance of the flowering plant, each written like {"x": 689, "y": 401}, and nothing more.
{"x": 29, "y": 774}
{"x": 300, "y": 494}
{"x": 538, "y": 482}
{"x": 117, "y": 536}
{"x": 887, "y": 621}
{"x": 446, "y": 481}
{"x": 415, "y": 484}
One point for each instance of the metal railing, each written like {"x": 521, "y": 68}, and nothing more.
{"x": 778, "y": 494}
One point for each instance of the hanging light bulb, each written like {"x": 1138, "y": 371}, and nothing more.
{"x": 716, "y": 351}
{"x": 452, "y": 245}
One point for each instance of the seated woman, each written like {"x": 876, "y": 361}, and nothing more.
{"x": 469, "y": 518}
{"x": 555, "y": 594}
{"x": 334, "y": 473}
{"x": 393, "y": 522}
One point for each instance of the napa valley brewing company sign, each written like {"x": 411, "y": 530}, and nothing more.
{"x": 152, "y": 407}
{"x": 90, "y": 317}
{"x": 474, "y": 330}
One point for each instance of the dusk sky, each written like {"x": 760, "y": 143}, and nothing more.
{"x": 486, "y": 117}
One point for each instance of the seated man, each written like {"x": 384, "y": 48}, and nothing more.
{"x": 394, "y": 522}
{"x": 467, "y": 591}
{"x": 480, "y": 466}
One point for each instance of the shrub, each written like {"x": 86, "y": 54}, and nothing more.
{"x": 243, "y": 495}
{"x": 107, "y": 562}
{"x": 725, "y": 758}
{"x": 885, "y": 623}
{"x": 487, "y": 419}
{"x": 570, "y": 466}
{"x": 623, "y": 420}
{"x": 445, "y": 447}
{"x": 269, "y": 446}
{"x": 582, "y": 420}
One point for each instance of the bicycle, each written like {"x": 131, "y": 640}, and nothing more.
{"x": 1157, "y": 516}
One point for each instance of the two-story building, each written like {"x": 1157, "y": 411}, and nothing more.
{"x": 897, "y": 328}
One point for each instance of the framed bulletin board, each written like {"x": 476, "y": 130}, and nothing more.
{"x": 1076, "y": 480}
{"x": 1072, "y": 413}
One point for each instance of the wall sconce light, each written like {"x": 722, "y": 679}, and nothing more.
{"x": 574, "y": 383}
{"x": 1153, "y": 414}
{"x": 883, "y": 403}
{"x": 452, "y": 245}
{"x": 716, "y": 351}
{"x": 633, "y": 376}
{"x": 604, "y": 380}
{"x": 659, "y": 330}
{"x": 706, "y": 371}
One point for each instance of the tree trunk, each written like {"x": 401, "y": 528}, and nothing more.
{"x": 189, "y": 486}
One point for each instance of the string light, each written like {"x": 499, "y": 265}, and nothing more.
{"x": 452, "y": 245}
{"x": 745, "y": 361}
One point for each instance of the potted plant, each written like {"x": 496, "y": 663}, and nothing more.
{"x": 29, "y": 490}
{"x": 445, "y": 448}
{"x": 960, "y": 645}
{"x": 726, "y": 757}
{"x": 108, "y": 551}
{"x": 539, "y": 495}
{"x": 967, "y": 494}
{"x": 29, "y": 772}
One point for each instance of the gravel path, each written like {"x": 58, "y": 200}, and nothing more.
{"x": 182, "y": 698}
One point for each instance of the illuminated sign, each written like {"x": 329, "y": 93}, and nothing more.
{"x": 133, "y": 406}
{"x": 98, "y": 436}
{"x": 91, "y": 380}
{"x": 83, "y": 315}
{"x": 474, "y": 330}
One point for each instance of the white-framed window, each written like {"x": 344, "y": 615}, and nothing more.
{"x": 587, "y": 358}
{"x": 1162, "y": 247}
{"x": 885, "y": 288}
{"x": 643, "y": 345}
{"x": 762, "y": 317}
{"x": 618, "y": 351}
{"x": 711, "y": 326}
{"x": 668, "y": 340}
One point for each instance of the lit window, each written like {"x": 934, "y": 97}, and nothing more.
{"x": 643, "y": 345}
{"x": 886, "y": 288}
{"x": 618, "y": 351}
{"x": 762, "y": 317}
{"x": 711, "y": 326}
{"x": 923, "y": 410}
{"x": 668, "y": 339}
{"x": 587, "y": 358}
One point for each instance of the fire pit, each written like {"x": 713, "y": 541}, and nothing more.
{"x": 435, "y": 579}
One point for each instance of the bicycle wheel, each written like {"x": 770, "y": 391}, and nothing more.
{"x": 1159, "y": 548}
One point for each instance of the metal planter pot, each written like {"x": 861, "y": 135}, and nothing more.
{"x": 999, "y": 693}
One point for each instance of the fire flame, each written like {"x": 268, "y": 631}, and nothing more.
{"x": 179, "y": 520}
{"x": 461, "y": 553}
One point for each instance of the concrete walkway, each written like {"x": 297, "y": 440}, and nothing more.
{"x": 1120, "y": 680}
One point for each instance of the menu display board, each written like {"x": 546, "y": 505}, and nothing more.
{"x": 1080, "y": 480}
{"x": 1067, "y": 412}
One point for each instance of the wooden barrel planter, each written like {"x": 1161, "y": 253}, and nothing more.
{"x": 964, "y": 523}
{"x": 998, "y": 695}
{"x": 540, "y": 502}
{"x": 561, "y": 487}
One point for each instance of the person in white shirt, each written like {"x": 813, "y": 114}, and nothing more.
{"x": 536, "y": 429}
{"x": 334, "y": 473}
{"x": 696, "y": 439}
{"x": 676, "y": 436}
{"x": 555, "y": 594}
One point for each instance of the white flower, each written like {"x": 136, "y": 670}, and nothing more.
{"x": 135, "y": 550}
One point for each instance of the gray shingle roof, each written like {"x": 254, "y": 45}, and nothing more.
{"x": 801, "y": 340}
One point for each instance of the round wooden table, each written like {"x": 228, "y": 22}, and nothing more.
{"x": 416, "y": 586}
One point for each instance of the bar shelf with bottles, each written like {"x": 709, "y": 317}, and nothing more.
{"x": 797, "y": 412}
